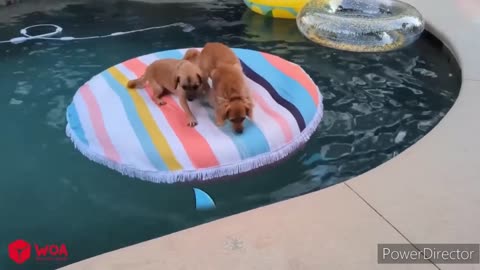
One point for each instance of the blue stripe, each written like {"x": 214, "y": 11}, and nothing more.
{"x": 266, "y": 8}
{"x": 286, "y": 87}
{"x": 263, "y": 8}
{"x": 251, "y": 142}
{"x": 135, "y": 121}
{"x": 175, "y": 54}
{"x": 75, "y": 124}
{"x": 291, "y": 10}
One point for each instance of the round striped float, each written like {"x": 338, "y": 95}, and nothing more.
{"x": 125, "y": 130}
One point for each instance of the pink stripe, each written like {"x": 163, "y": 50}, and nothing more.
{"x": 97, "y": 122}
{"x": 287, "y": 132}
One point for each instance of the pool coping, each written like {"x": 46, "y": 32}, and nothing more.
{"x": 426, "y": 194}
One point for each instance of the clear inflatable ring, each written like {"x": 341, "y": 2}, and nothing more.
{"x": 361, "y": 25}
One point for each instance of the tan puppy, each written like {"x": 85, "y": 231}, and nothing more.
{"x": 230, "y": 96}
{"x": 179, "y": 77}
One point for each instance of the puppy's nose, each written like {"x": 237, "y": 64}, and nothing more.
{"x": 239, "y": 130}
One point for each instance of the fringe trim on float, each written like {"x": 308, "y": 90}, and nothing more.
{"x": 206, "y": 173}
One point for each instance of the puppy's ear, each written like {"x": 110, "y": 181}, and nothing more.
{"x": 226, "y": 112}
{"x": 249, "y": 112}
{"x": 224, "y": 109}
{"x": 177, "y": 81}
{"x": 199, "y": 78}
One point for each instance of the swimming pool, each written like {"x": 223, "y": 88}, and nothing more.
{"x": 376, "y": 105}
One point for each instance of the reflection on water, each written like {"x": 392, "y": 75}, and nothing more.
{"x": 260, "y": 28}
{"x": 376, "y": 105}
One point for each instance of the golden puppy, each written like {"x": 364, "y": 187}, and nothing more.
{"x": 179, "y": 77}
{"x": 230, "y": 96}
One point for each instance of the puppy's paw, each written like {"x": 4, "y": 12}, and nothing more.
{"x": 192, "y": 122}
{"x": 219, "y": 123}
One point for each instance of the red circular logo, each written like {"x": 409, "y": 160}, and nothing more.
{"x": 19, "y": 251}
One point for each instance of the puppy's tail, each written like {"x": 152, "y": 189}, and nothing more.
{"x": 137, "y": 83}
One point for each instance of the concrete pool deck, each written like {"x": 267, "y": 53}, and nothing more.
{"x": 430, "y": 193}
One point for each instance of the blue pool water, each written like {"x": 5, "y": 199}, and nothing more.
{"x": 376, "y": 106}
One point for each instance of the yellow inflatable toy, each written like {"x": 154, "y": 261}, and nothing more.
{"x": 285, "y": 9}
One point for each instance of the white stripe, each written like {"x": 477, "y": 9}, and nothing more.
{"x": 118, "y": 126}
{"x": 147, "y": 59}
{"x": 221, "y": 144}
{"x": 293, "y": 126}
{"x": 162, "y": 123}
{"x": 84, "y": 118}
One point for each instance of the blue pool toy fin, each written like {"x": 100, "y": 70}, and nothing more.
{"x": 202, "y": 200}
